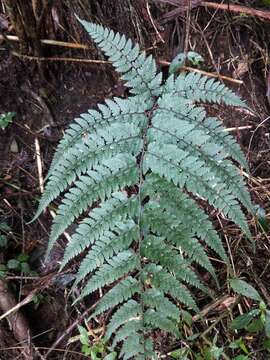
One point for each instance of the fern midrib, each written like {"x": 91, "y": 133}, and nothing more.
{"x": 140, "y": 220}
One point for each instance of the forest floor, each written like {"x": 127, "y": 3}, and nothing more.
{"x": 233, "y": 45}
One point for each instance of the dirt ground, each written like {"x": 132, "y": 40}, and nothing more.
{"x": 232, "y": 45}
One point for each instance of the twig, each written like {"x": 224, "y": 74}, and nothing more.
{"x": 16, "y": 307}
{"x": 81, "y": 60}
{"x": 187, "y": 68}
{"x": 225, "y": 302}
{"x": 41, "y": 180}
{"x": 42, "y": 284}
{"x": 238, "y": 128}
{"x": 91, "y": 61}
{"x": 18, "y": 323}
{"x": 162, "y": 62}
{"x": 89, "y": 332}
{"x": 39, "y": 166}
{"x": 70, "y": 329}
{"x": 153, "y": 23}
{"x": 49, "y": 42}
{"x": 187, "y": 27}
{"x": 265, "y": 14}
{"x": 251, "y": 139}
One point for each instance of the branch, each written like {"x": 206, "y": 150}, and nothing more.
{"x": 265, "y": 14}
{"x": 17, "y": 322}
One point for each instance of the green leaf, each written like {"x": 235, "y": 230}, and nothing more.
{"x": 111, "y": 356}
{"x": 180, "y": 354}
{"x": 243, "y": 288}
{"x": 23, "y": 257}
{"x": 3, "y": 241}
{"x": 186, "y": 317}
{"x": 84, "y": 338}
{"x": 4, "y": 226}
{"x": 216, "y": 352}
{"x": 243, "y": 320}
{"x": 255, "y": 326}
{"x": 25, "y": 267}
{"x": 2, "y": 274}
{"x": 266, "y": 344}
{"x": 13, "y": 264}
{"x": 260, "y": 216}
{"x": 3, "y": 267}
{"x": 179, "y": 61}
{"x": 6, "y": 119}
{"x": 86, "y": 350}
{"x": 239, "y": 344}
{"x": 267, "y": 323}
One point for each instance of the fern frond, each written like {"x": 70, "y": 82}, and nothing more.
{"x": 132, "y": 173}
{"x": 157, "y": 320}
{"x": 139, "y": 72}
{"x": 116, "y": 267}
{"x": 156, "y": 250}
{"x": 168, "y": 283}
{"x": 200, "y": 88}
{"x": 129, "y": 329}
{"x": 111, "y": 215}
{"x": 196, "y": 142}
{"x": 182, "y": 110}
{"x": 121, "y": 292}
{"x": 92, "y": 139}
{"x": 186, "y": 170}
{"x": 186, "y": 210}
{"x": 108, "y": 244}
{"x": 96, "y": 184}
{"x": 128, "y": 311}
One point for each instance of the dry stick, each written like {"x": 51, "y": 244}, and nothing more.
{"x": 153, "y": 23}
{"x": 187, "y": 28}
{"x": 41, "y": 180}
{"x": 162, "y": 62}
{"x": 70, "y": 328}
{"x": 18, "y": 323}
{"x": 265, "y": 14}
{"x": 36, "y": 58}
{"x": 83, "y": 46}
{"x": 238, "y": 128}
{"x": 223, "y": 77}
{"x": 50, "y": 42}
{"x": 46, "y": 280}
{"x": 39, "y": 166}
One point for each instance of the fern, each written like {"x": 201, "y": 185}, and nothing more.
{"x": 159, "y": 146}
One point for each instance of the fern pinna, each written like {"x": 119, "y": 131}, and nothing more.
{"x": 136, "y": 166}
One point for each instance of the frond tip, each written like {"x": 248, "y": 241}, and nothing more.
{"x": 132, "y": 172}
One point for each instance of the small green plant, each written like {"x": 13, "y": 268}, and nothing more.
{"x": 4, "y": 229}
{"x": 194, "y": 58}
{"x": 6, "y": 119}
{"x": 20, "y": 263}
{"x": 256, "y": 320}
{"x": 98, "y": 351}
{"x": 135, "y": 169}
